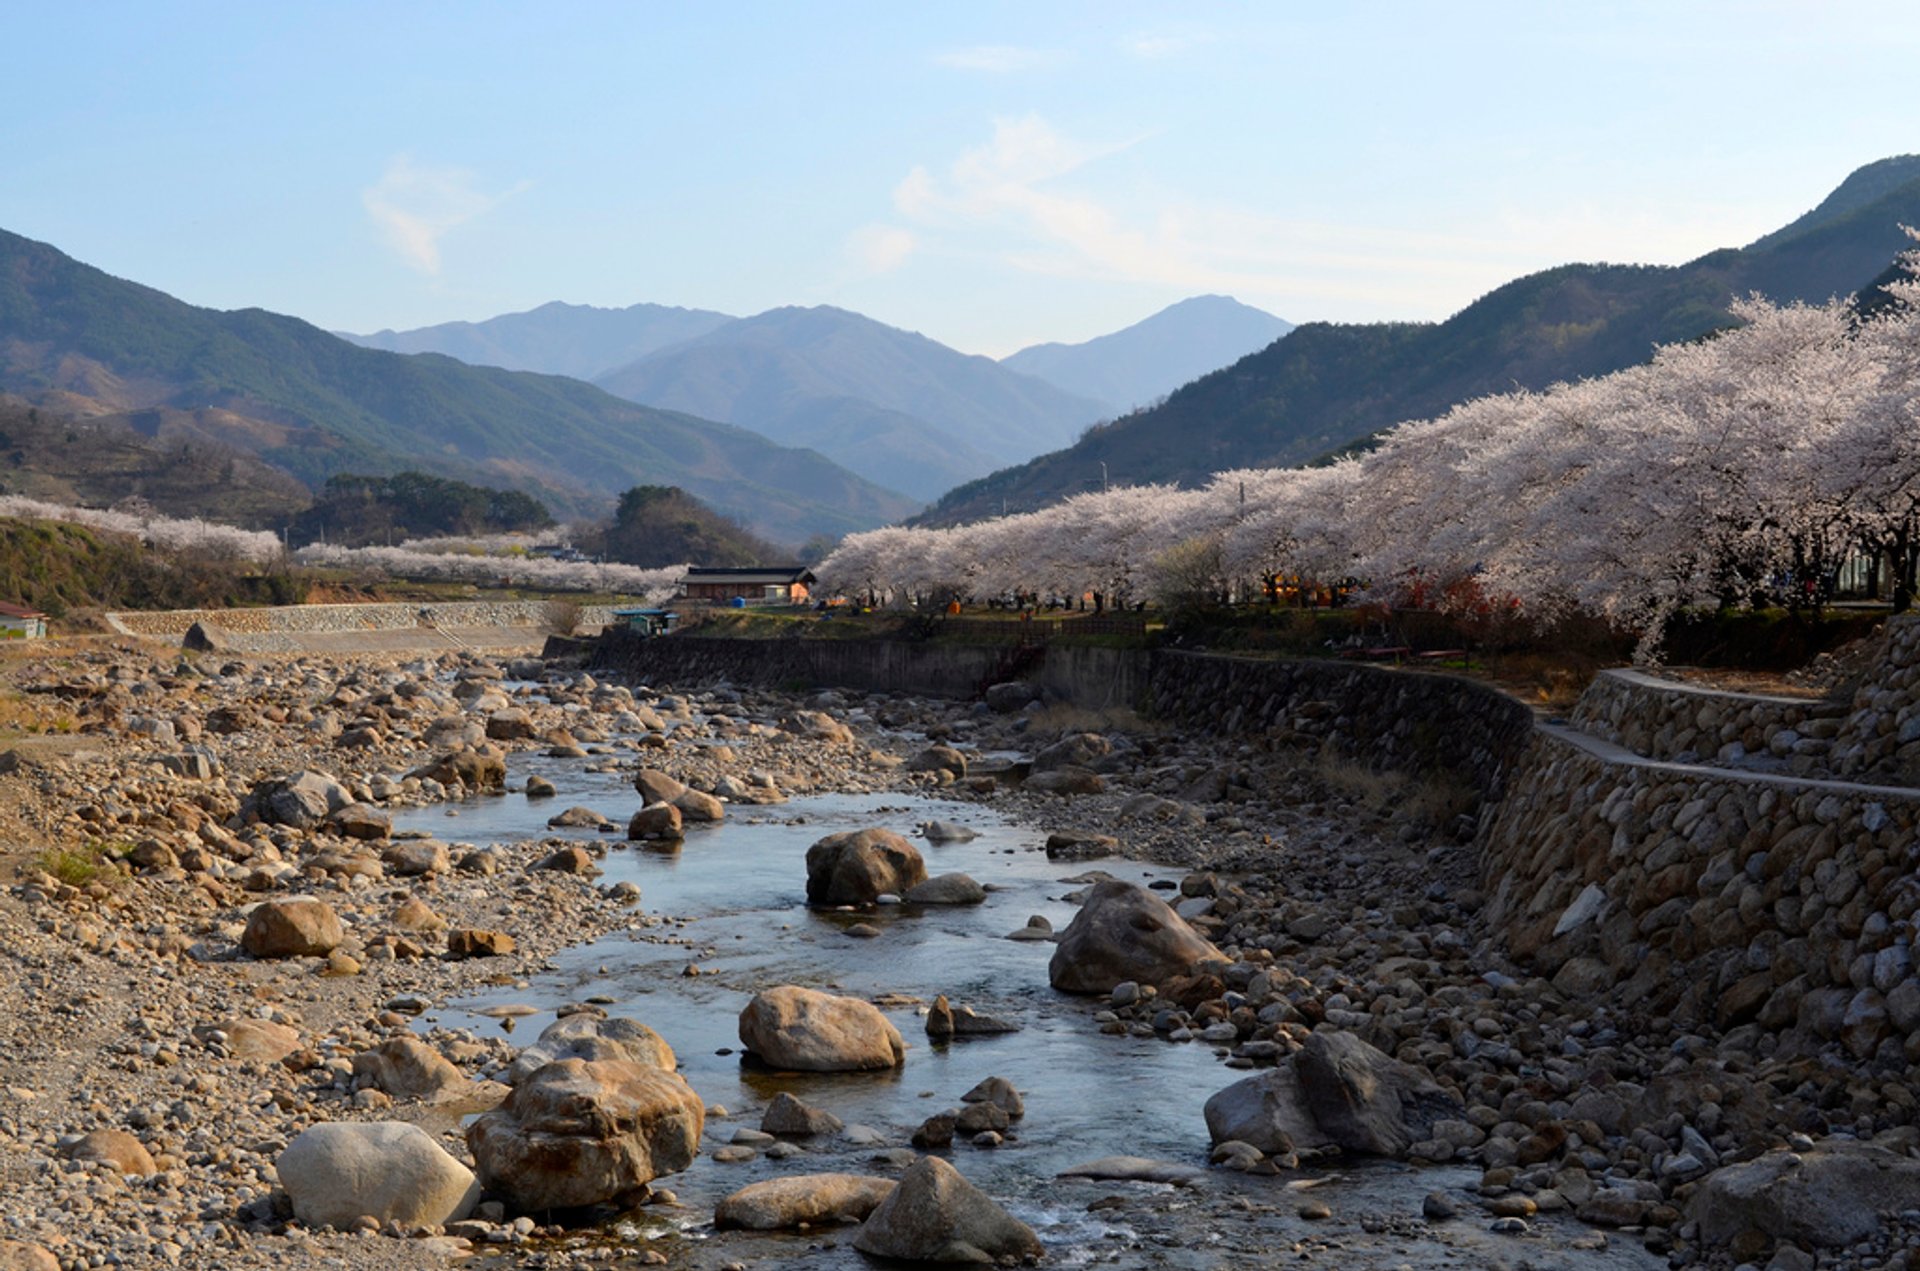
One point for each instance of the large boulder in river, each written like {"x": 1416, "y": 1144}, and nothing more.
{"x": 340, "y": 1172}
{"x": 811, "y": 1031}
{"x": 1830, "y": 1197}
{"x": 580, "y": 1132}
{"x": 297, "y": 927}
{"x": 589, "y": 1036}
{"x": 936, "y": 1215}
{"x": 1336, "y": 1091}
{"x": 471, "y": 767}
{"x": 1122, "y": 933}
{"x": 856, "y": 867}
{"x": 809, "y": 1200}
{"x": 655, "y": 786}
{"x": 303, "y": 800}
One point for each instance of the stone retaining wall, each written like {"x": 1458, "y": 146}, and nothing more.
{"x": 1711, "y": 896}
{"x": 1662, "y": 719}
{"x": 1880, "y": 737}
{"x": 322, "y": 619}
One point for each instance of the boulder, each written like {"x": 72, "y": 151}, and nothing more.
{"x": 303, "y": 800}
{"x": 1830, "y": 1197}
{"x": 1136, "y": 1169}
{"x": 655, "y": 821}
{"x": 572, "y": 859}
{"x": 338, "y": 1173}
{"x": 477, "y": 942}
{"x": 539, "y": 787}
{"x": 788, "y": 1115}
{"x": 1121, "y": 933}
{"x": 935, "y": 1215}
{"x": 362, "y": 821}
{"x": 578, "y": 818}
{"x": 468, "y": 766}
{"x": 782, "y": 1204}
{"x": 259, "y": 1040}
{"x": 696, "y": 805}
{"x": 590, "y": 1036}
{"x": 946, "y": 832}
{"x": 1076, "y": 750}
{"x": 297, "y": 927}
{"x": 117, "y": 1148}
{"x": 938, "y": 759}
{"x": 1012, "y": 695}
{"x": 804, "y": 1029}
{"x": 415, "y": 857}
{"x": 579, "y": 1132}
{"x": 656, "y": 786}
{"x": 416, "y": 915}
{"x": 1335, "y": 1091}
{"x": 510, "y": 724}
{"x": 1080, "y": 845}
{"x": 946, "y": 889}
{"x": 22, "y": 1255}
{"x": 819, "y": 726}
{"x": 1067, "y": 781}
{"x": 407, "y": 1068}
{"x": 856, "y": 867}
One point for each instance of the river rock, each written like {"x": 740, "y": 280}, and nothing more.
{"x": 936, "y": 1215}
{"x": 260, "y": 1040}
{"x": 812, "y": 1199}
{"x": 414, "y": 914}
{"x": 811, "y": 1031}
{"x": 1124, "y": 932}
{"x": 407, "y": 1068}
{"x": 695, "y": 805}
{"x": 579, "y": 818}
{"x": 469, "y": 766}
{"x": 1136, "y": 1169}
{"x": 1001, "y": 1093}
{"x": 656, "y": 786}
{"x": 938, "y": 759}
{"x": 297, "y": 927}
{"x": 580, "y": 1132}
{"x": 1067, "y": 781}
{"x": 302, "y": 800}
{"x": 946, "y": 889}
{"x": 117, "y": 1148}
{"x": 946, "y": 832}
{"x": 590, "y": 1036}
{"x": 1076, "y": 750}
{"x": 819, "y": 726}
{"x": 21, "y": 1255}
{"x": 477, "y": 942}
{"x": 787, "y": 1114}
{"x": 340, "y": 1172}
{"x": 655, "y": 821}
{"x": 856, "y": 867}
{"x": 362, "y": 821}
{"x": 510, "y": 724}
{"x": 1338, "y": 1091}
{"x": 1080, "y": 845}
{"x": 1009, "y": 696}
{"x": 416, "y": 857}
{"x": 1829, "y": 1197}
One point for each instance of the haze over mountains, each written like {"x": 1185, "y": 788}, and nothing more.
{"x": 581, "y": 341}
{"x": 76, "y": 339}
{"x": 1328, "y": 386}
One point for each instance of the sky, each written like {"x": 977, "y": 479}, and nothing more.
{"x": 991, "y": 175}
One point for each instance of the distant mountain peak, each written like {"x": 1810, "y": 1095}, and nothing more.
{"x": 1864, "y": 186}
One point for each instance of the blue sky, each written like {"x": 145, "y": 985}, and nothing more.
{"x": 989, "y": 174}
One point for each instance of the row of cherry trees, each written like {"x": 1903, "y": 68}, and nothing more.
{"x": 1739, "y": 468}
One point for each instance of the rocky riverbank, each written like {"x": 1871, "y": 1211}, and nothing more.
{"x": 148, "y": 999}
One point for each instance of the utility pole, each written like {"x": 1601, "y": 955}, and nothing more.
{"x": 1103, "y": 476}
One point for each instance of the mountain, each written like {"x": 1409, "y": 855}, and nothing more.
{"x": 314, "y": 405}
{"x": 1330, "y": 386}
{"x": 580, "y": 341}
{"x": 892, "y": 405}
{"x": 1140, "y": 364}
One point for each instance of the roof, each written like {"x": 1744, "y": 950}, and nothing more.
{"x": 749, "y": 574}
{"x": 18, "y": 611}
{"x": 644, "y": 613}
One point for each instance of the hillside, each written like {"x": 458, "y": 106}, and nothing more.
{"x": 580, "y": 341}
{"x": 315, "y": 405}
{"x": 1327, "y": 386}
{"x": 655, "y": 526}
{"x": 889, "y": 404}
{"x": 1140, "y": 364}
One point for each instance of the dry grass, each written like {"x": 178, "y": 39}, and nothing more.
{"x": 1430, "y": 799}
{"x": 1065, "y": 717}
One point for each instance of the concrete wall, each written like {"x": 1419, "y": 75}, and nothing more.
{"x": 274, "y": 619}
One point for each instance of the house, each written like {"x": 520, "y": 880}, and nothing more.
{"x": 754, "y": 585}
{"x": 646, "y": 622}
{"x": 17, "y": 622}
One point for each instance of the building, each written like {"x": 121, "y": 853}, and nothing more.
{"x": 17, "y": 622}
{"x": 754, "y": 585}
{"x": 646, "y": 622}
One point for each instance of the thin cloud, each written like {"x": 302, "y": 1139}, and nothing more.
{"x": 880, "y": 249}
{"x": 1158, "y": 46}
{"x": 996, "y": 59}
{"x": 414, "y": 207}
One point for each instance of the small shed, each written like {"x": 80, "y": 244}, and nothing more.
{"x": 17, "y": 622}
{"x": 647, "y": 622}
{"x": 756, "y": 585}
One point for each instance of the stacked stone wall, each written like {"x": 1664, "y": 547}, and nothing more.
{"x": 1879, "y": 740}
{"x": 324, "y": 619}
{"x": 1662, "y": 719}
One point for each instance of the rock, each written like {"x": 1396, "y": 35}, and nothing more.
{"x": 946, "y": 889}
{"x": 579, "y": 818}
{"x": 803, "y": 1029}
{"x": 338, "y": 1173}
{"x": 414, "y": 914}
{"x": 1136, "y": 1169}
{"x": 1001, "y": 1093}
{"x": 303, "y": 800}
{"x": 1076, "y": 750}
{"x": 856, "y": 867}
{"x": 946, "y": 832}
{"x": 468, "y": 766}
{"x": 936, "y": 1132}
{"x": 819, "y": 726}
{"x": 788, "y": 1115}
{"x": 1336, "y": 1091}
{"x": 1080, "y": 845}
{"x": 1124, "y": 932}
{"x": 416, "y": 857}
{"x": 117, "y": 1148}
{"x": 1012, "y": 695}
{"x": 572, "y": 859}
{"x": 938, "y": 759}
{"x": 935, "y": 1215}
{"x": 539, "y": 787}
{"x": 20, "y": 1255}
{"x": 976, "y": 1117}
{"x": 580, "y": 1132}
{"x": 967, "y": 1022}
{"x": 407, "y": 1068}
{"x": 590, "y": 1036}
{"x": 696, "y": 806}
{"x": 1829, "y": 1197}
{"x": 656, "y": 786}
{"x": 1067, "y": 781}
{"x": 655, "y": 821}
{"x": 803, "y": 1199}
{"x": 259, "y": 1040}
{"x": 510, "y": 724}
{"x": 940, "y": 1018}
{"x": 476, "y": 942}
{"x": 361, "y": 821}
{"x": 298, "y": 927}
{"x": 1438, "y": 1207}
